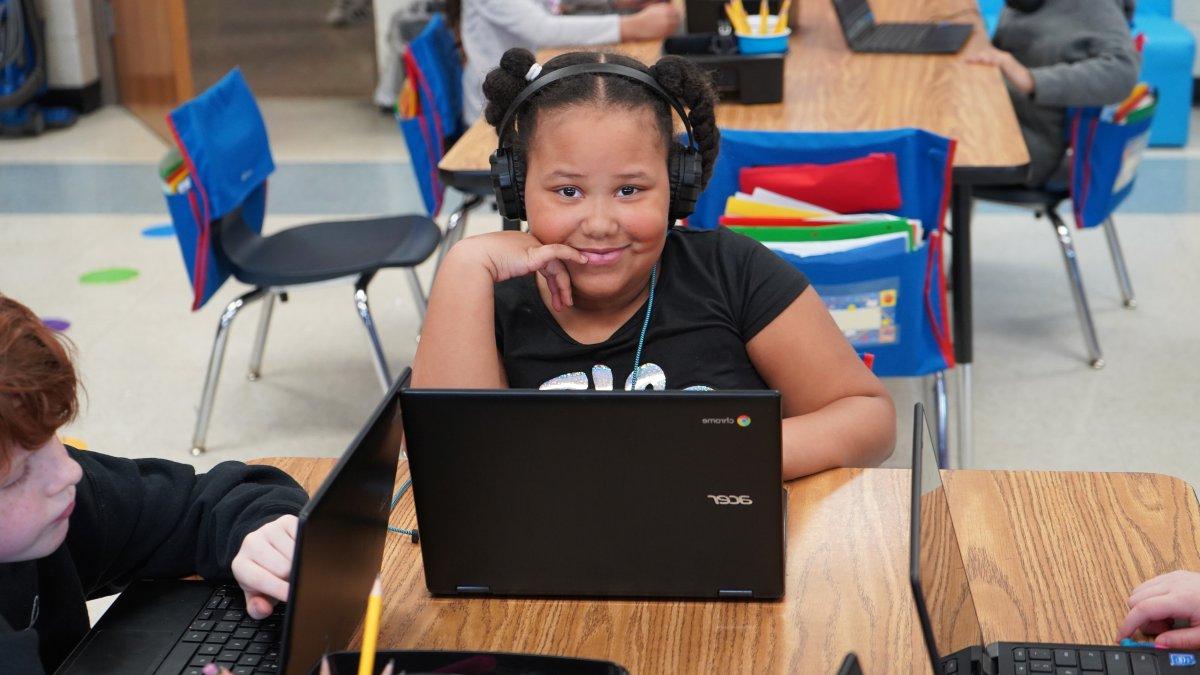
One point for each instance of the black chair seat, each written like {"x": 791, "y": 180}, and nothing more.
{"x": 1020, "y": 195}
{"x": 327, "y": 250}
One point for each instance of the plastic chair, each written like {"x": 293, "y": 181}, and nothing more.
{"x": 222, "y": 130}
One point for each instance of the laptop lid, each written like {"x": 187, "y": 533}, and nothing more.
{"x": 856, "y": 18}
{"x": 636, "y": 494}
{"x": 340, "y": 539}
{"x": 939, "y": 578}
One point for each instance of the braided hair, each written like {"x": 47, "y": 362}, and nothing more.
{"x": 677, "y": 76}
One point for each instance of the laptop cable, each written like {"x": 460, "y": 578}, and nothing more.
{"x": 416, "y": 536}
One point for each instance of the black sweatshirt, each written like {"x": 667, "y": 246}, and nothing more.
{"x": 133, "y": 519}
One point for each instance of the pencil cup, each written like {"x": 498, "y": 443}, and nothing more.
{"x": 771, "y": 43}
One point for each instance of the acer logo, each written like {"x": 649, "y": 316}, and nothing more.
{"x": 731, "y": 500}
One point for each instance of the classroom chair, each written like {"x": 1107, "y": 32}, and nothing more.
{"x": 223, "y": 129}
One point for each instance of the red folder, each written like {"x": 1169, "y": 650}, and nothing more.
{"x": 866, "y": 184}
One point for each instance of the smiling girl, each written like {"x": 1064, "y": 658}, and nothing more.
{"x": 564, "y": 306}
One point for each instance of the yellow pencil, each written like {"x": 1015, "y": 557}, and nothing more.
{"x": 762, "y": 17}
{"x": 366, "y": 659}
{"x": 781, "y": 23}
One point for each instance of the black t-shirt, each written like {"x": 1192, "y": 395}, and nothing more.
{"x": 716, "y": 290}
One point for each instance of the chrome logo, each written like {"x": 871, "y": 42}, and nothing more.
{"x": 743, "y": 420}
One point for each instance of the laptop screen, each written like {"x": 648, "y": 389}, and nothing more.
{"x": 854, "y": 15}
{"x": 939, "y": 578}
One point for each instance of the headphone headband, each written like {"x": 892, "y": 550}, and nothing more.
{"x": 553, "y": 76}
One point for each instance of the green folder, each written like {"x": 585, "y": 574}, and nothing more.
{"x": 828, "y": 232}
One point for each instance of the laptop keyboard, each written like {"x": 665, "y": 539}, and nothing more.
{"x": 224, "y": 633}
{"x": 1068, "y": 661}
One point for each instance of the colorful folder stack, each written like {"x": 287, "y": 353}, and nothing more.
{"x": 803, "y": 229}
{"x": 1140, "y": 104}
{"x": 173, "y": 173}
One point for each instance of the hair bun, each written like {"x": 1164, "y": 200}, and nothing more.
{"x": 503, "y": 84}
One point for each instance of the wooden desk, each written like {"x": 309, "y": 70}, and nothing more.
{"x": 1096, "y": 536}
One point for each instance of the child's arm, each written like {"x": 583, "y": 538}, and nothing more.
{"x": 836, "y": 412}
{"x": 157, "y": 519}
{"x": 458, "y": 338}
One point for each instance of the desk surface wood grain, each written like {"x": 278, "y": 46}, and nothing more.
{"x": 1049, "y": 557}
{"x": 829, "y": 88}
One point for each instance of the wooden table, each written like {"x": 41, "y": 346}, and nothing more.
{"x": 1049, "y": 556}
{"x": 830, "y": 88}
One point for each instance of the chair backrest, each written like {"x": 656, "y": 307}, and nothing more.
{"x": 433, "y": 69}
{"x": 223, "y": 140}
{"x": 1107, "y": 145}
{"x": 1161, "y": 7}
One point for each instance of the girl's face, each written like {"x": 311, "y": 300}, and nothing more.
{"x": 596, "y": 180}
{"x": 37, "y": 495}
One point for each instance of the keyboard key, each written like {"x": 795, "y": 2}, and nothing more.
{"x": 249, "y": 623}
{"x": 209, "y": 650}
{"x": 257, "y": 648}
{"x": 194, "y": 671}
{"x": 244, "y": 633}
{"x": 200, "y": 661}
{"x": 194, "y": 636}
{"x": 205, "y": 615}
{"x": 237, "y": 645}
{"x": 1065, "y": 657}
{"x": 213, "y": 602}
{"x": 1144, "y": 663}
{"x": 1019, "y": 654}
{"x": 1182, "y": 660}
{"x": 1041, "y": 667}
{"x": 1041, "y": 654}
{"x": 249, "y": 660}
{"x": 1117, "y": 663}
{"x": 233, "y": 615}
{"x": 1020, "y": 668}
{"x": 202, "y": 625}
{"x": 1067, "y": 671}
{"x": 229, "y": 656}
{"x": 266, "y": 636}
{"x": 224, "y": 603}
{"x": 217, "y": 638}
{"x": 243, "y": 670}
{"x": 268, "y": 668}
{"x": 1090, "y": 659}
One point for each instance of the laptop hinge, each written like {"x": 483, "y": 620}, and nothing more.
{"x": 734, "y": 593}
{"x": 474, "y": 590}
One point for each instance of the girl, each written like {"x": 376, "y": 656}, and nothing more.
{"x": 488, "y": 27}
{"x": 81, "y": 525}
{"x": 727, "y": 313}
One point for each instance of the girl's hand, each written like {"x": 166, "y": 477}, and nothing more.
{"x": 263, "y": 565}
{"x": 1016, "y": 73}
{"x": 1155, "y": 605}
{"x": 514, "y": 254}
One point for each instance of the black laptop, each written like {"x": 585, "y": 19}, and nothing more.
{"x": 175, "y": 626}
{"x": 630, "y": 494}
{"x": 864, "y": 35}
{"x": 946, "y": 609}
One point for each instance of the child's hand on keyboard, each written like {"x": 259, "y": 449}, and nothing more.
{"x": 263, "y": 565}
{"x": 1158, "y": 603}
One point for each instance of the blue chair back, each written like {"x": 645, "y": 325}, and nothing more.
{"x": 223, "y": 140}
{"x": 1104, "y": 160}
{"x": 432, "y": 63}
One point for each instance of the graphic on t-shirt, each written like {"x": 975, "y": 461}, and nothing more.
{"x": 650, "y": 376}
{"x": 865, "y": 311}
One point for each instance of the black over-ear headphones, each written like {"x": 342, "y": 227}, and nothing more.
{"x": 684, "y": 164}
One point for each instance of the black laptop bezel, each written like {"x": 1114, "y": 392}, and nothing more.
{"x": 914, "y": 541}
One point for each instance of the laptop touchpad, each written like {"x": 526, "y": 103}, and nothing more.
{"x": 113, "y": 651}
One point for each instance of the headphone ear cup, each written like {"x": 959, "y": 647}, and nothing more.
{"x": 508, "y": 183}
{"x": 686, "y": 171}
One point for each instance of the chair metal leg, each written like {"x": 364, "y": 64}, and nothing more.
{"x": 260, "y": 340}
{"x": 419, "y": 298}
{"x": 364, "y": 313}
{"x": 1118, "y": 258}
{"x": 941, "y": 422}
{"x": 456, "y": 228}
{"x": 214, "y": 367}
{"x": 964, "y": 447}
{"x": 1070, "y": 260}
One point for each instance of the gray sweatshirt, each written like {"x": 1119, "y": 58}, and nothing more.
{"x": 1081, "y": 54}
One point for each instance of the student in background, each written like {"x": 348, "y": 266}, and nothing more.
{"x": 80, "y": 525}
{"x": 1057, "y": 54}
{"x": 487, "y": 28}
{"x": 1157, "y": 604}
{"x": 563, "y": 305}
